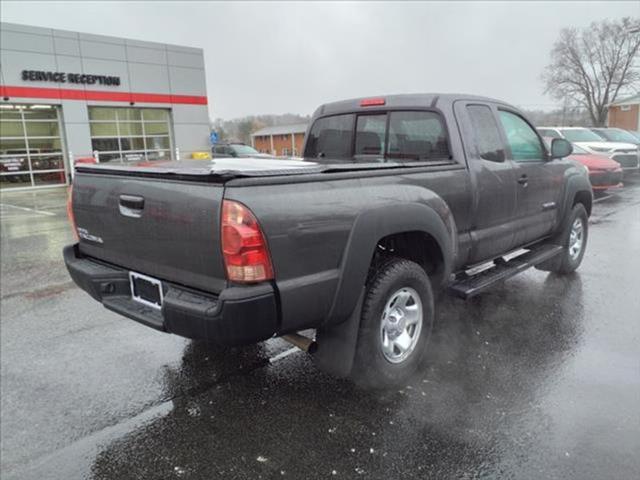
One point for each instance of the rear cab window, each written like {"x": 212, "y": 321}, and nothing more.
{"x": 371, "y": 134}
{"x": 331, "y": 138}
{"x": 390, "y": 136}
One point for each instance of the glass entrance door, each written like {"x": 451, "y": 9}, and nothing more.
{"x": 31, "y": 149}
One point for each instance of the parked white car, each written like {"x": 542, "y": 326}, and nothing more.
{"x": 626, "y": 154}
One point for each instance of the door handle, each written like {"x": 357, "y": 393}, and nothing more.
{"x": 132, "y": 201}
{"x": 523, "y": 180}
{"x": 131, "y": 205}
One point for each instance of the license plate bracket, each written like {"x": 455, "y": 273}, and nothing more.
{"x": 146, "y": 290}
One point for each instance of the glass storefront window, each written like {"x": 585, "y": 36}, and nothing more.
{"x": 11, "y": 129}
{"x": 49, "y": 178}
{"x": 40, "y": 112}
{"x": 14, "y": 163}
{"x": 44, "y": 145}
{"x": 42, "y": 129}
{"x": 132, "y": 143}
{"x": 31, "y": 151}
{"x": 130, "y": 134}
{"x": 133, "y": 156}
{"x": 110, "y": 157}
{"x": 15, "y": 181}
{"x": 47, "y": 162}
{"x": 7, "y": 112}
{"x": 105, "y": 144}
{"x": 102, "y": 113}
{"x": 104, "y": 129}
{"x": 158, "y": 143}
{"x": 125, "y": 114}
{"x": 154, "y": 114}
{"x": 10, "y": 146}
{"x": 156, "y": 128}
{"x": 130, "y": 129}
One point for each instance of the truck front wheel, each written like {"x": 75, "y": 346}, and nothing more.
{"x": 573, "y": 238}
{"x": 395, "y": 325}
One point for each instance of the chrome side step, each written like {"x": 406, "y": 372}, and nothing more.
{"x": 469, "y": 286}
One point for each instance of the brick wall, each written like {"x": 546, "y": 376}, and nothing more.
{"x": 281, "y": 144}
{"x": 299, "y": 141}
{"x": 262, "y": 144}
{"x": 627, "y": 119}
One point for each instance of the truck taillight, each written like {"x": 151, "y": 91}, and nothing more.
{"x": 70, "y": 215}
{"x": 244, "y": 248}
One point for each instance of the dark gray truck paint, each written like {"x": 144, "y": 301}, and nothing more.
{"x": 179, "y": 218}
{"x": 323, "y": 221}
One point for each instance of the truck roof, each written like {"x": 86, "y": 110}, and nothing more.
{"x": 400, "y": 100}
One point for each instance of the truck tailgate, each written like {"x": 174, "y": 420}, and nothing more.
{"x": 165, "y": 228}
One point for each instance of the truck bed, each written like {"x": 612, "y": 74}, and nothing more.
{"x": 163, "y": 218}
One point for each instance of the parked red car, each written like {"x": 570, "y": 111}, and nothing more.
{"x": 604, "y": 173}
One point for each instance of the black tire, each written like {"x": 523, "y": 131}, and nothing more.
{"x": 567, "y": 262}
{"x": 372, "y": 368}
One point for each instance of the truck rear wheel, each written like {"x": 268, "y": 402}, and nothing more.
{"x": 395, "y": 325}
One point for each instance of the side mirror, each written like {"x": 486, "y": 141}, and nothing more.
{"x": 560, "y": 148}
{"x": 494, "y": 156}
{"x": 233, "y": 153}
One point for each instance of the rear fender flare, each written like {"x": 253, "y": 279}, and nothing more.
{"x": 373, "y": 225}
{"x": 337, "y": 340}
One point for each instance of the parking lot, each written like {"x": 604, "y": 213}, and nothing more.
{"x": 539, "y": 378}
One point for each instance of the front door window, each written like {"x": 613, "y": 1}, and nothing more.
{"x": 522, "y": 139}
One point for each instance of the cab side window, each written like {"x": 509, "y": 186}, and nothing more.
{"x": 522, "y": 139}
{"x": 485, "y": 133}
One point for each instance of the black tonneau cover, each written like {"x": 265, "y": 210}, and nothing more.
{"x": 228, "y": 168}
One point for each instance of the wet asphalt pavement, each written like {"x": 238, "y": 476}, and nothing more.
{"x": 538, "y": 378}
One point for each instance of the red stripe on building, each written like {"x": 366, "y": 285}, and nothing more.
{"x": 100, "y": 95}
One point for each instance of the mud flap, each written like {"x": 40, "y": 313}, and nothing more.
{"x": 337, "y": 344}
{"x": 550, "y": 265}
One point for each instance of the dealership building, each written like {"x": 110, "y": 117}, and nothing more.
{"x": 67, "y": 97}
{"x": 625, "y": 113}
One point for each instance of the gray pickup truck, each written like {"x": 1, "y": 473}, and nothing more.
{"x": 398, "y": 199}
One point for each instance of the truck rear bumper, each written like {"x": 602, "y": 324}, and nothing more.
{"x": 239, "y": 315}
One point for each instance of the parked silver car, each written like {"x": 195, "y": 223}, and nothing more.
{"x": 625, "y": 153}
{"x": 236, "y": 150}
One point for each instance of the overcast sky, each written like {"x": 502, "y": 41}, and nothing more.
{"x": 280, "y": 57}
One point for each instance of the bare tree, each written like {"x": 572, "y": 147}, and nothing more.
{"x": 567, "y": 115}
{"x": 593, "y": 66}
{"x": 245, "y": 129}
{"x": 240, "y": 129}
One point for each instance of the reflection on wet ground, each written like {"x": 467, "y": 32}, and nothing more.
{"x": 538, "y": 378}
{"x": 303, "y": 423}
